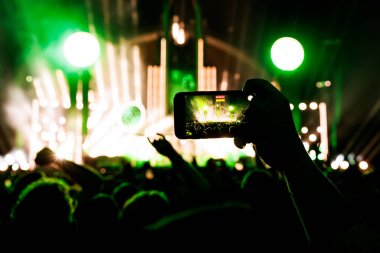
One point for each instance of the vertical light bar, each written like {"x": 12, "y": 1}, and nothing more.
{"x": 101, "y": 90}
{"x": 213, "y": 78}
{"x": 200, "y": 65}
{"x": 78, "y": 139}
{"x": 224, "y": 83}
{"x": 48, "y": 84}
{"x": 39, "y": 92}
{"x": 137, "y": 72}
{"x": 207, "y": 78}
{"x": 112, "y": 73}
{"x": 62, "y": 84}
{"x": 33, "y": 145}
{"x": 163, "y": 67}
{"x": 67, "y": 148}
{"x": 203, "y": 84}
{"x": 149, "y": 92}
{"x": 124, "y": 70}
{"x": 79, "y": 95}
{"x": 156, "y": 90}
{"x": 324, "y": 135}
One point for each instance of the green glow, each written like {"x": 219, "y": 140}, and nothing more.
{"x": 176, "y": 75}
{"x": 180, "y": 80}
{"x": 133, "y": 117}
{"x": 287, "y": 53}
{"x": 81, "y": 49}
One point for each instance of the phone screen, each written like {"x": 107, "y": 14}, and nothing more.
{"x": 208, "y": 114}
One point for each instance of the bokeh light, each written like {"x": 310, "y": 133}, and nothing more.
{"x": 287, "y": 53}
{"x": 81, "y": 49}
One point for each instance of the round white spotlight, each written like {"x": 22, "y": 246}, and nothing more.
{"x": 81, "y": 49}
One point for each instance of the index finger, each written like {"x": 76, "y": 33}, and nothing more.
{"x": 161, "y": 135}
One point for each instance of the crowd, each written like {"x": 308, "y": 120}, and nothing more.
{"x": 285, "y": 201}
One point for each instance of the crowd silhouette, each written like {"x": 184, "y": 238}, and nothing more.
{"x": 284, "y": 202}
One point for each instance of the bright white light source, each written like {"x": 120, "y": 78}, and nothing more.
{"x": 287, "y": 53}
{"x": 312, "y": 137}
{"x": 81, "y": 49}
{"x": 302, "y": 106}
{"x": 313, "y": 106}
{"x": 344, "y": 165}
{"x": 363, "y": 165}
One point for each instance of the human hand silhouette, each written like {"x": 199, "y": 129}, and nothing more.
{"x": 268, "y": 122}
{"x": 162, "y": 145}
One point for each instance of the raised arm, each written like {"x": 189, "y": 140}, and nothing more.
{"x": 196, "y": 181}
{"x": 268, "y": 123}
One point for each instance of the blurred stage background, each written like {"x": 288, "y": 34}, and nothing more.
{"x": 150, "y": 50}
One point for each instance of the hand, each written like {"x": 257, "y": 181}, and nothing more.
{"x": 163, "y": 146}
{"x": 267, "y": 123}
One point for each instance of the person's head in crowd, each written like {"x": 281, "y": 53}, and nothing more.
{"x": 23, "y": 180}
{"x": 43, "y": 205}
{"x": 45, "y": 156}
{"x": 123, "y": 191}
{"x": 143, "y": 208}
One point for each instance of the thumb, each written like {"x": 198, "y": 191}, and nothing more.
{"x": 239, "y": 142}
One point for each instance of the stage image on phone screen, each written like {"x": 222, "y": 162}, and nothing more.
{"x": 209, "y": 114}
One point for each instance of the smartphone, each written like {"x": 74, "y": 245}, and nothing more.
{"x": 208, "y": 114}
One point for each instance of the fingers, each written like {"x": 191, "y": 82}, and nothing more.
{"x": 258, "y": 86}
{"x": 159, "y": 134}
{"x": 245, "y": 134}
{"x": 158, "y": 137}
